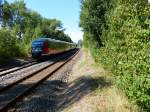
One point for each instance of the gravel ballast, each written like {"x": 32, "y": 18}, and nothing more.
{"x": 9, "y": 78}
{"x": 49, "y": 96}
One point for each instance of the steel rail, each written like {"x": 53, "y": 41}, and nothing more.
{"x": 17, "y": 69}
{"x": 33, "y": 86}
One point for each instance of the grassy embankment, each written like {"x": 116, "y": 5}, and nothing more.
{"x": 102, "y": 95}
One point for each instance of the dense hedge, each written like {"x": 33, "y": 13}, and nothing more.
{"x": 124, "y": 34}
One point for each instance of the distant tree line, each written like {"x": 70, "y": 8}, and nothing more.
{"x": 117, "y": 32}
{"x": 20, "y": 25}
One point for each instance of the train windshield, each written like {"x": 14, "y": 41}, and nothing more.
{"x": 37, "y": 46}
{"x": 37, "y": 43}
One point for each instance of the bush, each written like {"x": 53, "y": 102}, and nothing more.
{"x": 126, "y": 50}
{"x": 8, "y": 46}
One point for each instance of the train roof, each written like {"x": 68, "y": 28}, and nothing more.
{"x": 43, "y": 38}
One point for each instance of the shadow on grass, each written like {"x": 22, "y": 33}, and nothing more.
{"x": 55, "y": 95}
{"x": 78, "y": 89}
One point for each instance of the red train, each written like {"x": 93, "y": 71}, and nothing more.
{"x": 47, "y": 46}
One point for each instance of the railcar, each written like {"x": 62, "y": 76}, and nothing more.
{"x": 48, "y": 46}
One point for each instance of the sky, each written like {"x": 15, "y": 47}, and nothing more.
{"x": 66, "y": 11}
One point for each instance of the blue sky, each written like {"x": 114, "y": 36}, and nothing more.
{"x": 65, "y": 10}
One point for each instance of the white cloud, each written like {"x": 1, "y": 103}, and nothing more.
{"x": 75, "y": 35}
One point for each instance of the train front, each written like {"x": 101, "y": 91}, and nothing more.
{"x": 39, "y": 47}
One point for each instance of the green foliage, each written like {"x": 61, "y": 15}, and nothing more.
{"x": 7, "y": 44}
{"x": 25, "y": 26}
{"x": 125, "y": 33}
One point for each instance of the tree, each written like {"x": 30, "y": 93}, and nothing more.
{"x": 123, "y": 26}
{"x": 92, "y": 18}
{"x": 27, "y": 25}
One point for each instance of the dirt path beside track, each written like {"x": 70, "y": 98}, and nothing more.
{"x": 102, "y": 94}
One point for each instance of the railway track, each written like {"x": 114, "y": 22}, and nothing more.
{"x": 15, "y": 91}
{"x": 9, "y": 70}
{"x": 17, "y": 66}
{"x": 6, "y": 71}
